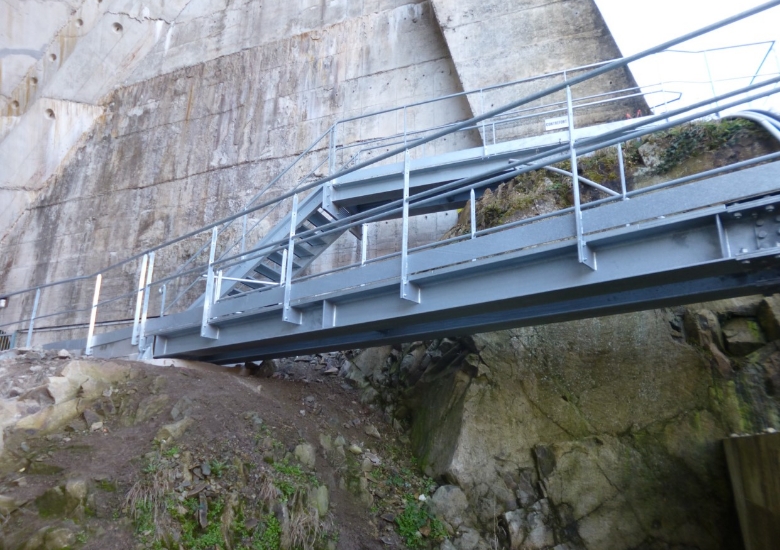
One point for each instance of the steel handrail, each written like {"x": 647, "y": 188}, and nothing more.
{"x": 458, "y": 186}
{"x": 601, "y": 69}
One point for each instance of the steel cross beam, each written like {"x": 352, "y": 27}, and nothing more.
{"x": 687, "y": 243}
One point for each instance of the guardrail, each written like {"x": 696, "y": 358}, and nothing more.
{"x": 337, "y": 152}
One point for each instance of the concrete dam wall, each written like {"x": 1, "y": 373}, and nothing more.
{"x": 127, "y": 123}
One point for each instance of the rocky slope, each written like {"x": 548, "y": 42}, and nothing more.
{"x": 115, "y": 455}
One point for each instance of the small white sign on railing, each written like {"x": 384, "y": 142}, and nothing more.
{"x": 557, "y": 123}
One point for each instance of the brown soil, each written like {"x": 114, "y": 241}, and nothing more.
{"x": 295, "y": 406}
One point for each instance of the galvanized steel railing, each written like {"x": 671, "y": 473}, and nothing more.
{"x": 343, "y": 157}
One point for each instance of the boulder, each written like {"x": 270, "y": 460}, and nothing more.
{"x": 449, "y": 504}
{"x": 7, "y": 505}
{"x": 170, "y": 432}
{"x": 182, "y": 408}
{"x": 150, "y": 406}
{"x": 528, "y": 529}
{"x": 59, "y": 539}
{"x": 743, "y": 336}
{"x": 371, "y": 363}
{"x": 62, "y": 388}
{"x": 470, "y": 539}
{"x": 320, "y": 498}
{"x": 702, "y": 328}
{"x": 768, "y": 315}
{"x": 306, "y": 455}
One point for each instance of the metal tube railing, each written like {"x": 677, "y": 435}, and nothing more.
{"x": 420, "y": 198}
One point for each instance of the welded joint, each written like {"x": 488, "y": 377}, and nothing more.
{"x": 328, "y": 314}
{"x": 411, "y": 292}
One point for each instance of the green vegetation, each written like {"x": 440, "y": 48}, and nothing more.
{"x": 164, "y": 519}
{"x": 217, "y": 467}
{"x": 418, "y": 526}
{"x": 541, "y": 191}
{"x": 270, "y": 537}
{"x": 170, "y": 453}
{"x": 691, "y": 140}
{"x": 192, "y": 536}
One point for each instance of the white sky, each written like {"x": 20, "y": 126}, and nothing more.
{"x": 640, "y": 24}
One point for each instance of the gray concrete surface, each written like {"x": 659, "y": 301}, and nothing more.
{"x": 171, "y": 114}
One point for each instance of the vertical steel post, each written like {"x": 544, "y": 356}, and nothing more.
{"x": 163, "y": 291}
{"x": 363, "y": 244}
{"x": 332, "y": 150}
{"x": 622, "y": 169}
{"x": 408, "y": 290}
{"x": 283, "y": 274}
{"x": 139, "y": 300}
{"x": 207, "y": 330}
{"x": 93, "y": 314}
{"x": 473, "y": 207}
{"x": 145, "y": 309}
{"x": 288, "y": 314}
{"x": 583, "y": 252}
{"x": 327, "y": 187}
{"x": 484, "y": 132}
{"x": 32, "y": 317}
{"x": 218, "y": 292}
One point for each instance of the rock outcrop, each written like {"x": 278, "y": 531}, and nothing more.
{"x": 602, "y": 433}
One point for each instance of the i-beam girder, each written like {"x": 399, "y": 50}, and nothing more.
{"x": 712, "y": 238}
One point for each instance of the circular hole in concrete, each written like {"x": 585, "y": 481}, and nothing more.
{"x": 34, "y": 81}
{"x": 79, "y": 23}
{"x": 15, "y": 104}
{"x": 52, "y": 57}
{"x": 117, "y": 27}
{"x": 49, "y": 113}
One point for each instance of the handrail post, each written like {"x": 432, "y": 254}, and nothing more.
{"x": 584, "y": 253}
{"x": 32, "y": 317}
{"x": 473, "y": 212}
{"x": 484, "y": 132}
{"x": 207, "y": 330}
{"x": 409, "y": 291}
{"x": 139, "y": 300}
{"x": 327, "y": 187}
{"x": 363, "y": 243}
{"x": 290, "y": 315}
{"x": 93, "y": 315}
{"x": 332, "y": 150}
{"x": 163, "y": 291}
{"x": 622, "y": 170}
{"x": 145, "y": 309}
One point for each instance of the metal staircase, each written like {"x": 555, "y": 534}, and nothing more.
{"x": 705, "y": 236}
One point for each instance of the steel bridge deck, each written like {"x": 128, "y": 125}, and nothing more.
{"x": 689, "y": 243}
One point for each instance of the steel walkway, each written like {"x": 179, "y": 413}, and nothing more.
{"x": 706, "y": 236}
